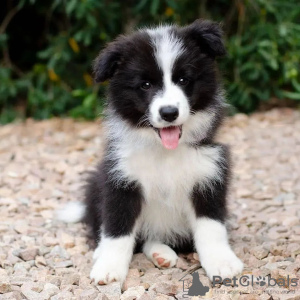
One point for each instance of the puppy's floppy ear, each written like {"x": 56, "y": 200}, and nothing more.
{"x": 106, "y": 64}
{"x": 208, "y": 35}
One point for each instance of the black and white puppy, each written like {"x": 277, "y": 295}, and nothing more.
{"x": 162, "y": 183}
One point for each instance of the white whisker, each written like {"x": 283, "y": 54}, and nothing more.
{"x": 143, "y": 121}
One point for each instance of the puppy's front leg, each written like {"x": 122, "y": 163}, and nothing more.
{"x": 112, "y": 258}
{"x": 215, "y": 254}
{"x": 120, "y": 210}
{"x": 210, "y": 235}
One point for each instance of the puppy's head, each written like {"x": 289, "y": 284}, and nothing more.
{"x": 164, "y": 78}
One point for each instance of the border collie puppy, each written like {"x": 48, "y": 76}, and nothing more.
{"x": 161, "y": 186}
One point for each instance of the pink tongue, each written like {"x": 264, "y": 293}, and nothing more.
{"x": 170, "y": 136}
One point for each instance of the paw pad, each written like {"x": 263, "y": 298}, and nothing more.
{"x": 161, "y": 261}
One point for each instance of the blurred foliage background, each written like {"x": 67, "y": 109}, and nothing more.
{"x": 47, "y": 48}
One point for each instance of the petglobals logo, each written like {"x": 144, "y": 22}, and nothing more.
{"x": 250, "y": 280}
{"x": 194, "y": 287}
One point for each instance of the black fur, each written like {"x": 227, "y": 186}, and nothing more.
{"x": 116, "y": 207}
{"x": 211, "y": 201}
{"x": 128, "y": 62}
{"x": 207, "y": 35}
{"x": 123, "y": 58}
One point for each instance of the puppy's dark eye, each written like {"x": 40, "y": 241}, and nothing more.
{"x": 146, "y": 85}
{"x": 183, "y": 81}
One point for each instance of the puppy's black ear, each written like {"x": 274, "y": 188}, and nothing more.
{"x": 208, "y": 35}
{"x": 106, "y": 64}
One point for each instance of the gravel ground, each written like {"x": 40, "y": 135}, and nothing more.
{"x": 43, "y": 165}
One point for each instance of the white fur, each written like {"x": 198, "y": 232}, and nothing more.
{"x": 172, "y": 95}
{"x": 162, "y": 251}
{"x": 72, "y": 212}
{"x": 112, "y": 258}
{"x": 167, "y": 177}
{"x": 215, "y": 254}
{"x": 197, "y": 126}
{"x": 167, "y": 49}
{"x": 167, "y": 180}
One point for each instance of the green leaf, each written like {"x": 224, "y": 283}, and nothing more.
{"x": 291, "y": 95}
{"x": 21, "y": 3}
{"x": 154, "y": 7}
{"x": 89, "y": 101}
{"x": 296, "y": 84}
{"x": 78, "y": 93}
{"x": 70, "y": 7}
{"x": 140, "y": 5}
{"x": 173, "y": 4}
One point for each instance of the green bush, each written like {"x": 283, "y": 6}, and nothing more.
{"x": 45, "y": 68}
{"x": 264, "y": 54}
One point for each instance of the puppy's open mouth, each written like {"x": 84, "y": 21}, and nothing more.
{"x": 170, "y": 136}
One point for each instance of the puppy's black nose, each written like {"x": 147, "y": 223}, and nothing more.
{"x": 169, "y": 113}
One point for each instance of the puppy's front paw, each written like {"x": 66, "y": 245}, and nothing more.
{"x": 221, "y": 262}
{"x": 106, "y": 271}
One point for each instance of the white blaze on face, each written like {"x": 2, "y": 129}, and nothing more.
{"x": 167, "y": 49}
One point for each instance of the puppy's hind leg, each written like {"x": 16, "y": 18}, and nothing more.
{"x": 160, "y": 254}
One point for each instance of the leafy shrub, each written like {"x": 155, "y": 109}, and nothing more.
{"x": 263, "y": 54}
{"x": 48, "y": 46}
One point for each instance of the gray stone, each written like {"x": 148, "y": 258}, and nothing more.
{"x": 63, "y": 295}
{"x": 165, "y": 287}
{"x": 63, "y": 264}
{"x": 29, "y": 294}
{"x": 259, "y": 252}
{"x": 5, "y": 285}
{"x": 112, "y": 290}
{"x": 49, "y": 290}
{"x": 133, "y": 293}
{"x": 28, "y": 254}
{"x": 58, "y": 251}
{"x": 90, "y": 294}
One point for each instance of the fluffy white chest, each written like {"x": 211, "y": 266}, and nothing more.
{"x": 170, "y": 175}
{"x": 167, "y": 178}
